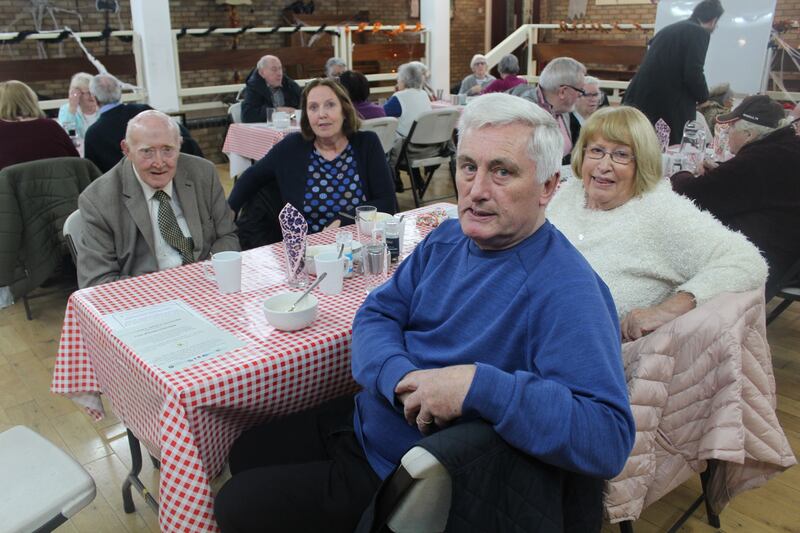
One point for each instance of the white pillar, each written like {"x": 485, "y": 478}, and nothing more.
{"x": 150, "y": 19}
{"x": 435, "y": 16}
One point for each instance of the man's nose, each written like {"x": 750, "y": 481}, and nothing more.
{"x": 481, "y": 186}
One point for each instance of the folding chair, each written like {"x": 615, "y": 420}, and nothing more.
{"x": 235, "y": 112}
{"x": 42, "y": 485}
{"x": 427, "y": 146}
{"x": 385, "y": 128}
{"x": 789, "y": 290}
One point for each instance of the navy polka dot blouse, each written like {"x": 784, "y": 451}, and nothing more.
{"x": 331, "y": 186}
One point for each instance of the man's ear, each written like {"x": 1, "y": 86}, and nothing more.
{"x": 124, "y": 146}
{"x": 549, "y": 189}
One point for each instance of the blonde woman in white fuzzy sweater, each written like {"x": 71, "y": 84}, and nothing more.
{"x": 658, "y": 253}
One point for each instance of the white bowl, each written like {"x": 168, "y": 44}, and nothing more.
{"x": 276, "y": 310}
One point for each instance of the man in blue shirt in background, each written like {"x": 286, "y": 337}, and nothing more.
{"x": 493, "y": 317}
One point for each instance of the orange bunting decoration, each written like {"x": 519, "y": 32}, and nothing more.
{"x": 376, "y": 27}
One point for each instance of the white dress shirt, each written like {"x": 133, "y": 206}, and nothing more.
{"x": 166, "y": 255}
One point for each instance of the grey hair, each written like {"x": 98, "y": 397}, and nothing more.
{"x": 562, "y": 71}
{"x": 591, "y": 80}
{"x": 106, "y": 89}
{"x": 263, "y": 61}
{"x": 546, "y": 144}
{"x": 80, "y": 79}
{"x": 476, "y": 58}
{"x": 333, "y": 62}
{"x": 757, "y": 131}
{"x": 411, "y": 75}
{"x": 509, "y": 64}
{"x": 135, "y": 123}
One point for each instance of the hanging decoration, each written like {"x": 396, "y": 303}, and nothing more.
{"x": 782, "y": 26}
{"x": 577, "y": 8}
{"x": 596, "y": 26}
{"x": 378, "y": 27}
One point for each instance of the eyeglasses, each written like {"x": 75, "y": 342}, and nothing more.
{"x": 167, "y": 152}
{"x": 579, "y": 91}
{"x": 590, "y": 95}
{"x": 620, "y": 157}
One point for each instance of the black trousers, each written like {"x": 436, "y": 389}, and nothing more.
{"x": 305, "y": 472}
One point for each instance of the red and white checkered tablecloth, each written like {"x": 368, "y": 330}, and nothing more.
{"x": 191, "y": 417}
{"x": 253, "y": 141}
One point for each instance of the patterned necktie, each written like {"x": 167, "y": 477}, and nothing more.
{"x": 168, "y": 225}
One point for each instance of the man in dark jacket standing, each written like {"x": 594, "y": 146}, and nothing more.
{"x": 266, "y": 87}
{"x": 757, "y": 192}
{"x": 670, "y": 81}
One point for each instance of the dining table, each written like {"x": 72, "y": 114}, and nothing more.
{"x": 189, "y": 417}
{"x": 245, "y": 143}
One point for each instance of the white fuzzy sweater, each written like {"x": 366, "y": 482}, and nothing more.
{"x": 655, "y": 245}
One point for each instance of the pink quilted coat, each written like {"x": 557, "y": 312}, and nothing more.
{"x": 701, "y": 387}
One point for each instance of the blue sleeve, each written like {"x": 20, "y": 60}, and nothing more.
{"x": 380, "y": 186}
{"x": 573, "y": 412}
{"x": 392, "y": 107}
{"x": 380, "y": 359}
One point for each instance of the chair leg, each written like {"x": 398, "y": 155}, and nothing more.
{"x": 27, "y": 307}
{"x": 626, "y": 526}
{"x": 705, "y": 477}
{"x": 775, "y": 312}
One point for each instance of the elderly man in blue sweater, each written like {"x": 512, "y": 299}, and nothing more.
{"x": 494, "y": 317}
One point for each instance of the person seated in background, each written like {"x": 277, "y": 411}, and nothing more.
{"x": 506, "y": 276}
{"x": 25, "y": 133}
{"x": 268, "y": 87}
{"x": 508, "y": 67}
{"x": 327, "y": 168}
{"x": 473, "y": 84}
{"x": 586, "y": 104}
{"x": 407, "y": 104}
{"x": 757, "y": 192}
{"x": 660, "y": 255}
{"x": 426, "y": 79}
{"x": 720, "y": 100}
{"x": 357, "y": 87}
{"x": 81, "y": 110}
{"x": 157, "y": 209}
{"x": 334, "y": 67}
{"x": 102, "y": 144}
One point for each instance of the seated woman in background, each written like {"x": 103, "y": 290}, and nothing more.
{"x": 658, "y": 253}
{"x": 508, "y": 67}
{"x": 25, "y": 133}
{"x": 720, "y": 101}
{"x": 327, "y": 168}
{"x": 410, "y": 100}
{"x": 473, "y": 84}
{"x": 81, "y": 110}
{"x": 357, "y": 87}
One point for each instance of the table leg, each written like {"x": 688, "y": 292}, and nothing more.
{"x": 133, "y": 478}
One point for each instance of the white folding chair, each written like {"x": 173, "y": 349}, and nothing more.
{"x": 235, "y": 112}
{"x": 73, "y": 227}
{"x": 426, "y": 147}
{"x": 42, "y": 485}
{"x": 426, "y": 505}
{"x": 385, "y": 128}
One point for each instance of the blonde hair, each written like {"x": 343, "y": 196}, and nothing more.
{"x": 628, "y": 126}
{"x": 17, "y": 100}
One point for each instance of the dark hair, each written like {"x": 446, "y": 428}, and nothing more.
{"x": 707, "y": 10}
{"x": 356, "y": 84}
{"x": 350, "y": 124}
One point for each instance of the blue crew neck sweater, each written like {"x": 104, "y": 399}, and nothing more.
{"x": 539, "y": 324}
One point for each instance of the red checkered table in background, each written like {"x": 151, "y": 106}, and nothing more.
{"x": 246, "y": 142}
{"x": 189, "y": 418}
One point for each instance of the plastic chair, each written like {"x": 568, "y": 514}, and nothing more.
{"x": 427, "y": 146}
{"x": 42, "y": 485}
{"x": 73, "y": 228}
{"x": 235, "y": 112}
{"x": 385, "y": 128}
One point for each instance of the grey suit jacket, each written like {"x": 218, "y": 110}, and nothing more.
{"x": 118, "y": 241}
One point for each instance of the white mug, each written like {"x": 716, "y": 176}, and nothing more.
{"x": 227, "y": 271}
{"x": 335, "y": 267}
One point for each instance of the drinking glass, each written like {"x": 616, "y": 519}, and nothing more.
{"x": 376, "y": 265}
{"x": 365, "y": 221}
{"x": 693, "y": 146}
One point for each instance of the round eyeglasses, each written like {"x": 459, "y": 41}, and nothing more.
{"x": 620, "y": 157}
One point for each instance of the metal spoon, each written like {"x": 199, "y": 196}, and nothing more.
{"x": 308, "y": 290}
{"x": 341, "y": 250}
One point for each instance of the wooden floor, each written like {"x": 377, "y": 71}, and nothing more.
{"x": 27, "y": 356}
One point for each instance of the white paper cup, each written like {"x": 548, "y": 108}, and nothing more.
{"x": 227, "y": 271}
{"x": 334, "y": 266}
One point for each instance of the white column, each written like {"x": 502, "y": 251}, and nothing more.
{"x": 435, "y": 16}
{"x": 150, "y": 19}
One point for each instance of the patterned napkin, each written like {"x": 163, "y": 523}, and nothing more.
{"x": 294, "y": 229}
{"x": 663, "y": 131}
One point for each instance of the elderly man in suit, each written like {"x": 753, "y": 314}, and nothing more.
{"x": 102, "y": 141}
{"x": 156, "y": 209}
